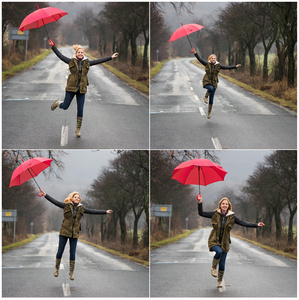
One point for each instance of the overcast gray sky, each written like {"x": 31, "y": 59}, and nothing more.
{"x": 200, "y": 10}
{"x": 81, "y": 168}
{"x": 239, "y": 164}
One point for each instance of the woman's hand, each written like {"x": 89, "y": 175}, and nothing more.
{"x": 199, "y": 198}
{"x": 109, "y": 211}
{"x": 260, "y": 224}
{"x": 114, "y": 55}
{"x": 192, "y": 50}
{"x": 51, "y": 43}
{"x": 237, "y": 66}
{"x": 43, "y": 193}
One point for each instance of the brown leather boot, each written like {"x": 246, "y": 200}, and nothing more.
{"x": 55, "y": 104}
{"x": 209, "y": 110}
{"x": 220, "y": 277}
{"x": 57, "y": 265}
{"x": 214, "y": 267}
{"x": 78, "y": 127}
{"x": 72, "y": 267}
{"x": 206, "y": 99}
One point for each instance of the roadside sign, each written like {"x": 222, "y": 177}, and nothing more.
{"x": 160, "y": 210}
{"x": 15, "y": 34}
{"x": 10, "y": 215}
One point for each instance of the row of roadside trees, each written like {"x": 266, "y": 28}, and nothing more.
{"x": 239, "y": 30}
{"x": 122, "y": 187}
{"x": 106, "y": 27}
{"x": 269, "y": 194}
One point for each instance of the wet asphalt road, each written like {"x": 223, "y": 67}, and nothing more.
{"x": 115, "y": 115}
{"x": 28, "y": 272}
{"x": 183, "y": 270}
{"x": 240, "y": 120}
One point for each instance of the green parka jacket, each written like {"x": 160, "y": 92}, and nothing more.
{"x": 220, "y": 234}
{"x": 71, "y": 225}
{"x": 77, "y": 80}
{"x": 222, "y": 225}
{"x": 212, "y": 71}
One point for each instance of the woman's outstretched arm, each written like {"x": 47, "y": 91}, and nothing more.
{"x": 205, "y": 214}
{"x": 52, "y": 200}
{"x": 96, "y": 211}
{"x": 58, "y": 53}
{"x": 248, "y": 224}
{"x": 102, "y": 60}
{"x": 198, "y": 57}
{"x": 229, "y": 67}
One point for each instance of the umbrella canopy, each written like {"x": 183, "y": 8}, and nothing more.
{"x": 199, "y": 172}
{"x": 29, "y": 169}
{"x": 185, "y": 30}
{"x": 41, "y": 17}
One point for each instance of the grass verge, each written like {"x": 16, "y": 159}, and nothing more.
{"x": 156, "y": 69}
{"x": 121, "y": 255}
{"x": 171, "y": 240}
{"x": 21, "y": 67}
{"x": 20, "y": 244}
{"x": 268, "y": 248}
{"x": 282, "y": 102}
{"x": 125, "y": 78}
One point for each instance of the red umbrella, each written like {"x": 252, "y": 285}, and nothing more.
{"x": 199, "y": 172}
{"x": 40, "y": 17}
{"x": 29, "y": 169}
{"x": 185, "y": 30}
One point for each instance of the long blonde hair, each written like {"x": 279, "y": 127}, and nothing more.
{"x": 229, "y": 204}
{"x": 71, "y": 196}
{"x": 211, "y": 56}
{"x": 77, "y": 47}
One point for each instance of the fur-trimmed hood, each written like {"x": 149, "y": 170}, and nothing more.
{"x": 84, "y": 57}
{"x": 80, "y": 204}
{"x": 230, "y": 213}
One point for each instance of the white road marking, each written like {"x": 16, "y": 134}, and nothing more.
{"x": 164, "y": 262}
{"x": 191, "y": 88}
{"x": 66, "y": 290}
{"x": 216, "y": 143}
{"x": 16, "y": 99}
{"x": 202, "y": 112}
{"x": 196, "y": 97}
{"x": 64, "y": 135}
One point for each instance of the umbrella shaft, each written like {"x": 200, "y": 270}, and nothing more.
{"x": 45, "y": 29}
{"x": 33, "y": 178}
{"x": 189, "y": 41}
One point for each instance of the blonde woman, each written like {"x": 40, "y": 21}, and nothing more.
{"x": 77, "y": 81}
{"x": 210, "y": 79}
{"x": 73, "y": 212}
{"x": 223, "y": 220}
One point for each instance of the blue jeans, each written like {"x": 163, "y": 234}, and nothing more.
{"x": 68, "y": 100}
{"x": 220, "y": 255}
{"x": 61, "y": 246}
{"x": 212, "y": 91}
